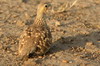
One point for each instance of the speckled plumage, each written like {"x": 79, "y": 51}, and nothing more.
{"x": 37, "y": 37}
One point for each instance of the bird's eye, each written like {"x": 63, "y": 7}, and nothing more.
{"x": 46, "y": 6}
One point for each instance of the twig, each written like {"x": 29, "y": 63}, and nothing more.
{"x": 64, "y": 7}
{"x": 73, "y": 4}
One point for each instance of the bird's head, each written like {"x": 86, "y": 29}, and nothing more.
{"x": 43, "y": 8}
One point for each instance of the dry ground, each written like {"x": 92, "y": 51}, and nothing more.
{"x": 76, "y": 33}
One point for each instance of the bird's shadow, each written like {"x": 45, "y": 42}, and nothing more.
{"x": 66, "y": 43}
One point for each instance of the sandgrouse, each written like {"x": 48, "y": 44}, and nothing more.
{"x": 36, "y": 38}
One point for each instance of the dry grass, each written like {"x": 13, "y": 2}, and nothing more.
{"x": 64, "y": 7}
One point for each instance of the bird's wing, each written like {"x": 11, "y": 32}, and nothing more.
{"x": 43, "y": 40}
{"x": 26, "y": 43}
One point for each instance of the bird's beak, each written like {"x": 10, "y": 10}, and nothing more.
{"x": 49, "y": 8}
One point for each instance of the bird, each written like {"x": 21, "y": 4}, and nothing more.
{"x": 36, "y": 38}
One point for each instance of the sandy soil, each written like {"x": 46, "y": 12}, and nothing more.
{"x": 76, "y": 33}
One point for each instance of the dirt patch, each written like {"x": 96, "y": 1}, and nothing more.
{"x": 76, "y": 33}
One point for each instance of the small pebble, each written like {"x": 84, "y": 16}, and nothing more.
{"x": 13, "y": 48}
{"x": 65, "y": 61}
{"x": 57, "y": 23}
{"x": 27, "y": 16}
{"x": 20, "y": 23}
{"x": 40, "y": 57}
{"x": 98, "y": 41}
{"x": 30, "y": 62}
{"x": 53, "y": 57}
{"x": 0, "y": 46}
{"x": 89, "y": 43}
{"x": 50, "y": 55}
{"x": 75, "y": 54}
{"x": 0, "y": 29}
{"x": 70, "y": 61}
{"x": 15, "y": 53}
